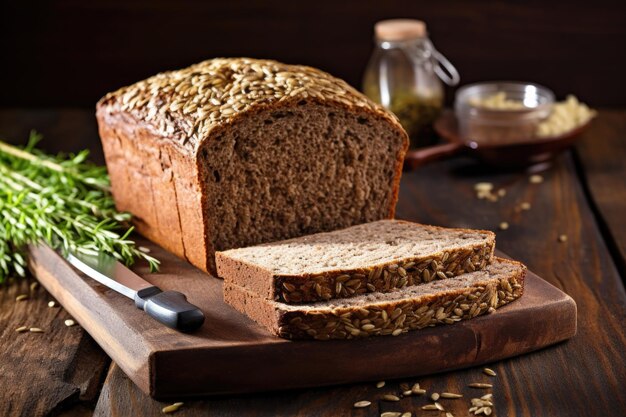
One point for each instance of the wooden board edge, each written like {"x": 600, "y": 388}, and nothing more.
{"x": 59, "y": 273}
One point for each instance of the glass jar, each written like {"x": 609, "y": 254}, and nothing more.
{"x": 404, "y": 74}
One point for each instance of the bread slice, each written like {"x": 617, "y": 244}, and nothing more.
{"x": 438, "y": 302}
{"x": 374, "y": 257}
{"x": 233, "y": 152}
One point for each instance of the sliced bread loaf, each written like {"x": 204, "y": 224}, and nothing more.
{"x": 438, "y": 302}
{"x": 234, "y": 152}
{"x": 374, "y": 257}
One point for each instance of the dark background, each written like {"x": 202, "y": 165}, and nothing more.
{"x": 71, "y": 52}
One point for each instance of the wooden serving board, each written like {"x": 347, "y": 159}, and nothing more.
{"x": 232, "y": 354}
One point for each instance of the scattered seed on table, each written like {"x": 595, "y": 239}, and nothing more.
{"x": 69, "y": 322}
{"x": 362, "y": 404}
{"x": 535, "y": 179}
{"x": 430, "y": 407}
{"x": 486, "y": 397}
{"x": 406, "y": 414}
{"x": 391, "y": 414}
{"x": 171, "y": 408}
{"x": 563, "y": 238}
{"x": 483, "y": 186}
{"x": 525, "y": 206}
{"x": 489, "y": 371}
{"x": 36, "y": 330}
{"x": 407, "y": 393}
{"x": 503, "y": 226}
{"x": 391, "y": 397}
{"x": 21, "y": 329}
{"x": 21, "y": 297}
{"x": 479, "y": 385}
{"x": 434, "y": 396}
{"x": 33, "y": 286}
{"x": 501, "y": 192}
{"x": 439, "y": 406}
{"x": 51, "y": 304}
{"x": 450, "y": 395}
{"x": 448, "y": 414}
{"x": 380, "y": 384}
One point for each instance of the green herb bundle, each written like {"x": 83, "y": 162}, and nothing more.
{"x": 61, "y": 200}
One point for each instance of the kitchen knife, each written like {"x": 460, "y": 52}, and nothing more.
{"x": 168, "y": 307}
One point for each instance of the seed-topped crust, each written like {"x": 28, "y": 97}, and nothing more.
{"x": 186, "y": 105}
{"x": 383, "y": 318}
{"x": 381, "y": 278}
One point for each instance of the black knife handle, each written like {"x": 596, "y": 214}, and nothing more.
{"x": 170, "y": 308}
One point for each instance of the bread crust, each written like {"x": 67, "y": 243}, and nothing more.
{"x": 152, "y": 145}
{"x": 386, "y": 318}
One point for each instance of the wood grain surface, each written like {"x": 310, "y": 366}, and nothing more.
{"x": 61, "y": 369}
{"x": 601, "y": 156}
{"x": 582, "y": 377}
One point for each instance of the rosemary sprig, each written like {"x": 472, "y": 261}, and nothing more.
{"x": 62, "y": 200}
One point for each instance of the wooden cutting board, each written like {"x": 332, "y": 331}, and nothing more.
{"x": 232, "y": 354}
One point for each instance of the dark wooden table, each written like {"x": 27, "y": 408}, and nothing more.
{"x": 583, "y": 195}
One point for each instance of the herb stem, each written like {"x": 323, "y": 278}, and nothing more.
{"x": 63, "y": 201}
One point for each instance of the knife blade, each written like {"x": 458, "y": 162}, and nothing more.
{"x": 168, "y": 307}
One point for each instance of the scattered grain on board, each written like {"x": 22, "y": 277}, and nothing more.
{"x": 21, "y": 329}
{"x": 33, "y": 286}
{"x": 479, "y": 385}
{"x": 391, "y": 397}
{"x": 563, "y": 238}
{"x": 36, "y": 330}
{"x": 52, "y": 304}
{"x": 172, "y": 408}
{"x": 406, "y": 414}
{"x": 503, "y": 226}
{"x": 415, "y": 389}
{"x": 450, "y": 395}
{"x": 525, "y": 206}
{"x": 21, "y": 297}
{"x": 482, "y": 405}
{"x": 362, "y": 404}
{"x": 380, "y": 384}
{"x": 483, "y": 186}
{"x": 391, "y": 414}
{"x": 434, "y": 396}
{"x": 69, "y": 322}
{"x": 489, "y": 371}
{"x": 535, "y": 179}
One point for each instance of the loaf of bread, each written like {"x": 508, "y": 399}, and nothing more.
{"x": 234, "y": 152}
{"x": 373, "y": 257}
{"x": 438, "y": 302}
